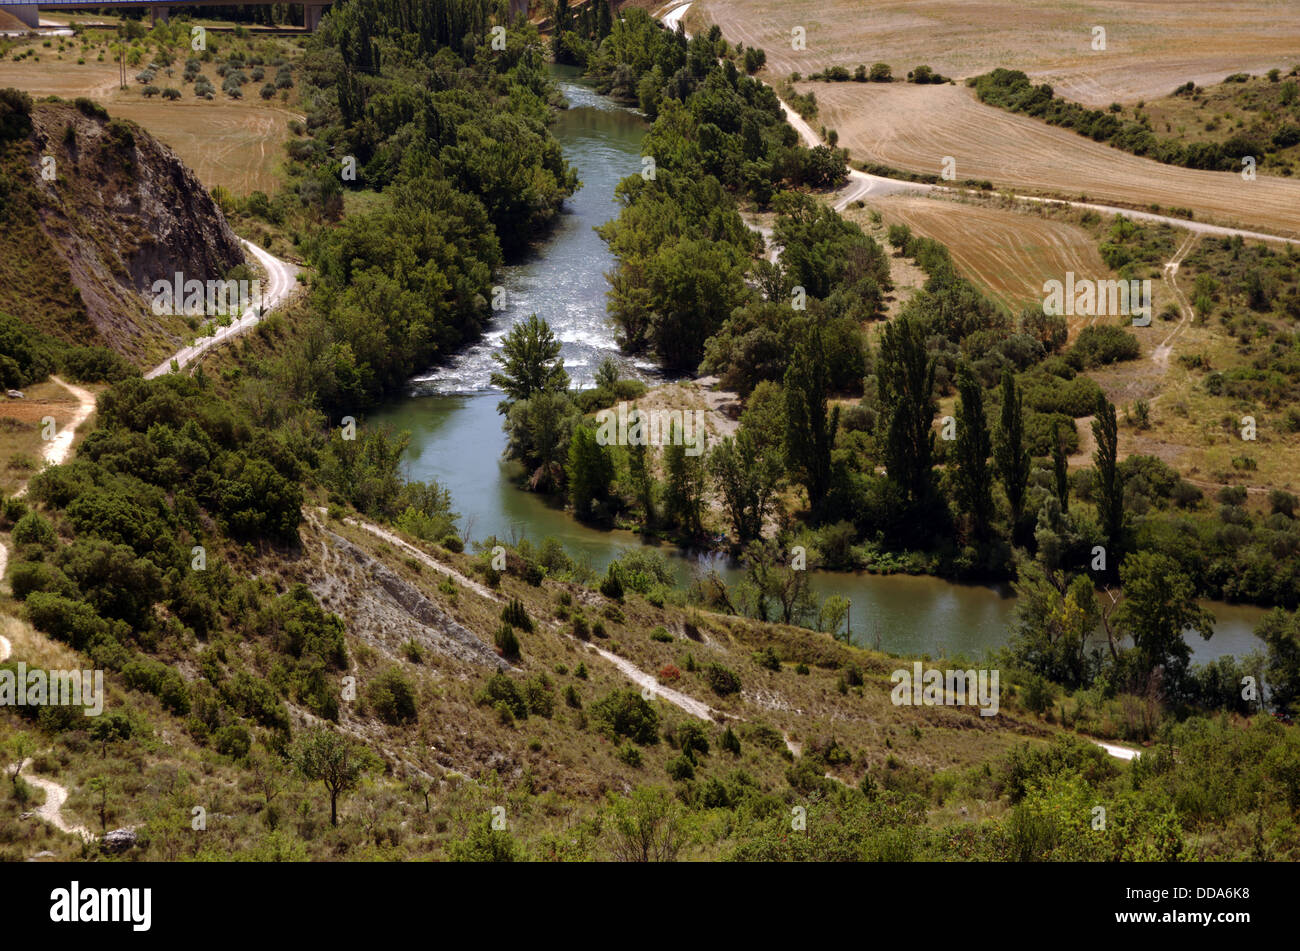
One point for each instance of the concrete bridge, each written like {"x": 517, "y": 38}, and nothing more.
{"x": 29, "y": 13}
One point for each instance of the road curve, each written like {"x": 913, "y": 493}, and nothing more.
{"x": 282, "y": 278}
{"x": 862, "y": 184}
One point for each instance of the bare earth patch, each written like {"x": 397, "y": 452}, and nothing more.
{"x": 915, "y": 127}
{"x": 1150, "y": 47}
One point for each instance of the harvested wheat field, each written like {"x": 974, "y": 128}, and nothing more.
{"x": 234, "y": 144}
{"x": 914, "y": 127}
{"x": 1008, "y": 252}
{"x": 1151, "y": 47}
{"x": 237, "y": 144}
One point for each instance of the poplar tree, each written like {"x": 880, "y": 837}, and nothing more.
{"x": 905, "y": 378}
{"x": 974, "y": 489}
{"x": 1110, "y": 484}
{"x": 810, "y": 430}
{"x": 1011, "y": 455}
{"x": 1060, "y": 468}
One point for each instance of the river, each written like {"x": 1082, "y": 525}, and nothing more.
{"x": 457, "y": 437}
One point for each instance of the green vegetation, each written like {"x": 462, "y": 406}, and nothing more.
{"x": 1275, "y": 125}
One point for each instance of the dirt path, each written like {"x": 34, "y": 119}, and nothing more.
{"x": 1162, "y": 352}
{"x": 52, "y": 809}
{"x": 1120, "y": 752}
{"x": 862, "y": 184}
{"x": 282, "y": 277}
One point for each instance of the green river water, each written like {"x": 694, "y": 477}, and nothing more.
{"x": 457, "y": 437}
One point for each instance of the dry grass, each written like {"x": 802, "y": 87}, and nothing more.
{"x": 20, "y": 430}
{"x": 1151, "y": 47}
{"x": 238, "y": 144}
{"x": 915, "y": 127}
{"x": 1009, "y": 252}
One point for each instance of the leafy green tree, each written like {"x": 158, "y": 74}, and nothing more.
{"x": 1060, "y": 468}
{"x": 530, "y": 363}
{"x": 747, "y": 473}
{"x": 537, "y": 434}
{"x": 810, "y": 429}
{"x": 684, "y": 486}
{"x": 972, "y": 450}
{"x": 1053, "y": 620}
{"x": 324, "y": 755}
{"x": 643, "y": 483}
{"x": 1010, "y": 454}
{"x": 905, "y": 379}
{"x": 1110, "y": 480}
{"x": 1281, "y": 633}
{"x": 590, "y": 473}
{"x": 1159, "y": 604}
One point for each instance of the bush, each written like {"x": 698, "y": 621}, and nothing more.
{"x": 516, "y": 615}
{"x": 730, "y": 743}
{"x": 34, "y": 529}
{"x": 507, "y": 643}
{"x": 722, "y": 680}
{"x": 624, "y": 713}
{"x": 612, "y": 585}
{"x": 1104, "y": 343}
{"x": 767, "y": 659}
{"x": 392, "y": 697}
{"x": 660, "y": 633}
{"x": 680, "y": 769}
{"x": 232, "y": 741}
{"x": 500, "y": 689}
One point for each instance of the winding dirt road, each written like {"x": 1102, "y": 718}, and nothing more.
{"x": 282, "y": 277}
{"x": 52, "y": 809}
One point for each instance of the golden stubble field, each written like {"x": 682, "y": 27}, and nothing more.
{"x": 1151, "y": 46}
{"x": 238, "y": 144}
{"x": 914, "y": 127}
{"x": 1009, "y": 252}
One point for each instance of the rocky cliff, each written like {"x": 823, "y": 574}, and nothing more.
{"x": 93, "y": 210}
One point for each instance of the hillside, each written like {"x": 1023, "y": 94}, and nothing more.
{"x": 79, "y": 254}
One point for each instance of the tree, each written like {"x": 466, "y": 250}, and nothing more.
{"x": 333, "y": 759}
{"x": 833, "y": 613}
{"x": 905, "y": 377}
{"x": 1282, "y": 635}
{"x": 1159, "y": 604}
{"x": 21, "y": 746}
{"x": 769, "y": 576}
{"x": 1060, "y": 468}
{"x": 531, "y": 363}
{"x": 538, "y": 432}
{"x": 98, "y": 784}
{"x": 974, "y": 488}
{"x": 684, "y": 488}
{"x": 810, "y": 431}
{"x": 747, "y": 473}
{"x": 1053, "y": 621}
{"x": 647, "y": 826}
{"x": 1110, "y": 481}
{"x": 1010, "y": 454}
{"x": 590, "y": 473}
{"x": 643, "y": 483}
